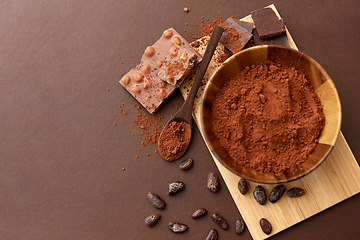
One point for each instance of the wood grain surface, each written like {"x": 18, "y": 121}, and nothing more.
{"x": 337, "y": 179}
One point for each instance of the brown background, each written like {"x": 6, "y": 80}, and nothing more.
{"x": 61, "y": 158}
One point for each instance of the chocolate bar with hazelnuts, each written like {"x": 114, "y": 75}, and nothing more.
{"x": 163, "y": 67}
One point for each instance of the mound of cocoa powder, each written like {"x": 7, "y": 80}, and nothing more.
{"x": 174, "y": 140}
{"x": 268, "y": 117}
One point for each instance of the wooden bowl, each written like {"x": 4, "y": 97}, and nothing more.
{"x": 323, "y": 86}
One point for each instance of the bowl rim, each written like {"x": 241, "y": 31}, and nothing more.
{"x": 225, "y": 164}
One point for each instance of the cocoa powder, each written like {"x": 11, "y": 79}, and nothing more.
{"x": 174, "y": 140}
{"x": 268, "y": 117}
{"x": 150, "y": 126}
{"x": 232, "y": 35}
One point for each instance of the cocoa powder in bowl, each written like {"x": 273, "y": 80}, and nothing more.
{"x": 268, "y": 117}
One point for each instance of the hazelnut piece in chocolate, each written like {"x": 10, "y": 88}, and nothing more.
{"x": 162, "y": 93}
{"x": 173, "y": 51}
{"x": 149, "y": 51}
{"x": 138, "y": 77}
{"x": 169, "y": 69}
{"x": 170, "y": 79}
{"x": 176, "y": 40}
{"x": 147, "y": 84}
{"x": 160, "y": 62}
{"x": 136, "y": 89}
{"x": 146, "y": 68}
{"x": 167, "y": 33}
{"x": 183, "y": 56}
{"x": 125, "y": 80}
{"x": 162, "y": 84}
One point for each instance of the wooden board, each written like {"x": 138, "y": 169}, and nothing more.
{"x": 337, "y": 179}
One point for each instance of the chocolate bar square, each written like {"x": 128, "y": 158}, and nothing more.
{"x": 162, "y": 68}
{"x": 235, "y": 37}
{"x": 267, "y": 23}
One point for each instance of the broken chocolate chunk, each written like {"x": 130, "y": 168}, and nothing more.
{"x": 274, "y": 41}
{"x": 267, "y": 23}
{"x": 249, "y": 26}
{"x": 235, "y": 37}
{"x": 176, "y": 67}
{"x": 149, "y": 82}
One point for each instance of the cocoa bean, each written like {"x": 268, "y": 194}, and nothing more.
{"x": 243, "y": 186}
{"x": 213, "y": 235}
{"x": 265, "y": 226}
{"x": 220, "y": 221}
{"x": 156, "y": 201}
{"x": 175, "y": 187}
{"x": 213, "y": 183}
{"x": 239, "y": 226}
{"x": 260, "y": 195}
{"x": 276, "y": 193}
{"x": 186, "y": 164}
{"x": 296, "y": 192}
{"x": 152, "y": 220}
{"x": 199, "y": 213}
{"x": 177, "y": 227}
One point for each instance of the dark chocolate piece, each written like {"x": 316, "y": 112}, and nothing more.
{"x": 267, "y": 23}
{"x": 149, "y": 82}
{"x": 249, "y": 26}
{"x": 235, "y": 37}
{"x": 274, "y": 41}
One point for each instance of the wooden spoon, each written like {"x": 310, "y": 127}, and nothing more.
{"x": 176, "y": 135}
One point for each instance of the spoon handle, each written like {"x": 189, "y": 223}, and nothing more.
{"x": 210, "y": 49}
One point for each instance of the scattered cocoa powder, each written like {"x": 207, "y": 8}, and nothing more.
{"x": 150, "y": 126}
{"x": 232, "y": 35}
{"x": 268, "y": 117}
{"x": 174, "y": 140}
{"x": 206, "y": 28}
